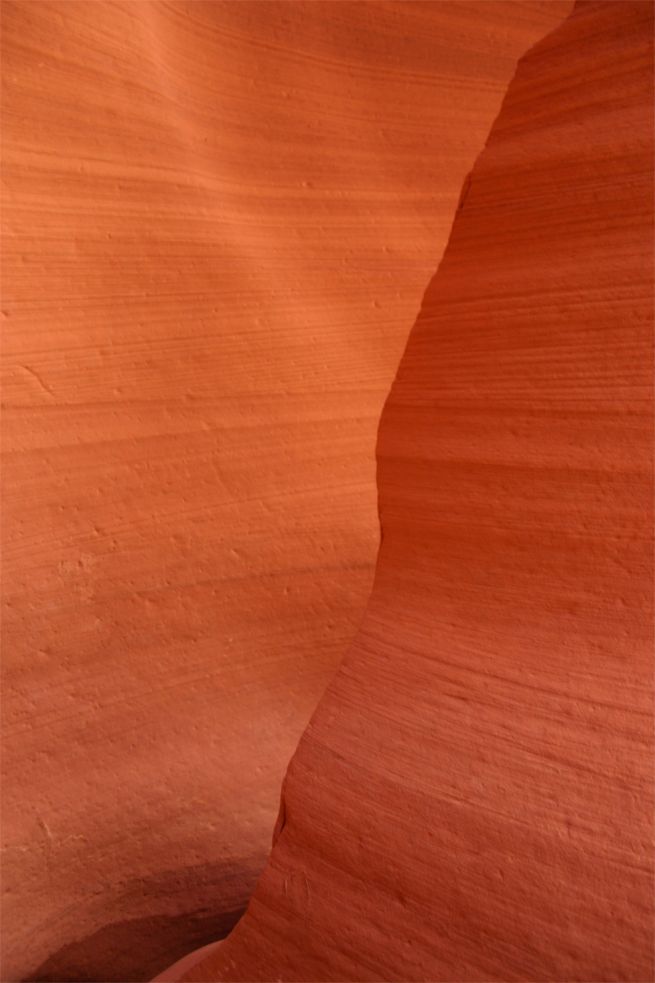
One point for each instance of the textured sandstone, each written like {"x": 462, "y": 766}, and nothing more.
{"x": 473, "y": 798}
{"x": 219, "y": 220}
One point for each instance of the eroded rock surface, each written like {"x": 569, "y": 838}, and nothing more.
{"x": 473, "y": 799}
{"x": 219, "y": 222}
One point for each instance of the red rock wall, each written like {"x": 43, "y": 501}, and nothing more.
{"x": 473, "y": 798}
{"x": 219, "y": 222}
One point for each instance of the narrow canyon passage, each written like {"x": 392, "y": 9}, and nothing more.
{"x": 473, "y": 797}
{"x": 219, "y": 220}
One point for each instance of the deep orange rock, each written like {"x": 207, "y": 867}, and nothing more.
{"x": 219, "y": 222}
{"x": 473, "y": 798}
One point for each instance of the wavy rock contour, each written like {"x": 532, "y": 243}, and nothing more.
{"x": 473, "y": 798}
{"x": 219, "y": 220}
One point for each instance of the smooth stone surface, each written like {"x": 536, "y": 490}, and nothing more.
{"x": 473, "y": 798}
{"x": 219, "y": 222}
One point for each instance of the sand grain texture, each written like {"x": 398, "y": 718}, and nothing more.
{"x": 473, "y": 798}
{"x": 219, "y": 221}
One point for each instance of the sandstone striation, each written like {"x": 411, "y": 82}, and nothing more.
{"x": 219, "y": 222}
{"x": 473, "y": 798}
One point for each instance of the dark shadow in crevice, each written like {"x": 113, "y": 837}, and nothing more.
{"x": 133, "y": 950}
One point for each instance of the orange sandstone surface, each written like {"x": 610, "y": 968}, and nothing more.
{"x": 219, "y": 220}
{"x": 473, "y": 798}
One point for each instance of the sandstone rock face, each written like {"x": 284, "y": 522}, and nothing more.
{"x": 219, "y": 222}
{"x": 473, "y": 798}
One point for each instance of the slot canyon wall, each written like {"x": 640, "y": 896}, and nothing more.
{"x": 473, "y": 798}
{"x": 219, "y": 220}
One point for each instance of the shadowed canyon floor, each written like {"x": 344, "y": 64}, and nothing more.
{"x": 219, "y": 221}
